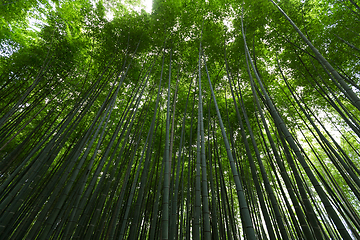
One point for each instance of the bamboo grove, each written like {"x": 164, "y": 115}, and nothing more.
{"x": 201, "y": 120}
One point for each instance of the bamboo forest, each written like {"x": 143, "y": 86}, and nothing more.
{"x": 191, "y": 119}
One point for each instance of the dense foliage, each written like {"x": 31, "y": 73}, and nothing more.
{"x": 199, "y": 120}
